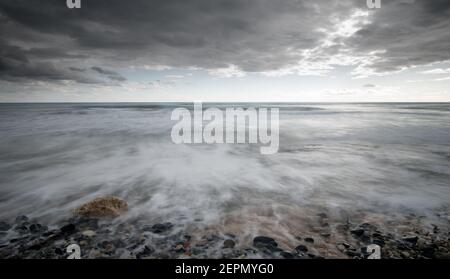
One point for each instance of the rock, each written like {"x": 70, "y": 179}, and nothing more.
{"x": 301, "y": 248}
{"x": 286, "y": 255}
{"x": 4, "y": 226}
{"x": 346, "y": 245}
{"x": 357, "y": 232}
{"x": 36, "y": 228}
{"x": 410, "y": 239}
{"x": 309, "y": 239}
{"x": 21, "y": 229}
{"x": 161, "y": 228}
{"x": 264, "y": 241}
{"x": 89, "y": 233}
{"x": 102, "y": 207}
{"x": 229, "y": 243}
{"x": 180, "y": 248}
{"x": 67, "y": 229}
{"x": 106, "y": 245}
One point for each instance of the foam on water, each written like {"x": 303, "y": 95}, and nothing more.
{"x": 376, "y": 158}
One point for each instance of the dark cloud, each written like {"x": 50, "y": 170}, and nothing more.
{"x": 43, "y": 39}
{"x": 406, "y": 33}
{"x": 110, "y": 74}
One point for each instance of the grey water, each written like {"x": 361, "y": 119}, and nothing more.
{"x": 340, "y": 158}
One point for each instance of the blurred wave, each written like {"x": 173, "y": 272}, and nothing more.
{"x": 339, "y": 157}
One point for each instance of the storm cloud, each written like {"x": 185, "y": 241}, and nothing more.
{"x": 44, "y": 40}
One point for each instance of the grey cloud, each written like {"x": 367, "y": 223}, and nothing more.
{"x": 408, "y": 34}
{"x": 259, "y": 35}
{"x": 110, "y": 74}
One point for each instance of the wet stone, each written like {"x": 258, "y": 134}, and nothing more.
{"x": 229, "y": 243}
{"x": 357, "y": 232}
{"x": 309, "y": 239}
{"x": 286, "y": 255}
{"x": 264, "y": 241}
{"x": 410, "y": 239}
{"x": 67, "y": 229}
{"x": 301, "y": 248}
{"x": 161, "y": 228}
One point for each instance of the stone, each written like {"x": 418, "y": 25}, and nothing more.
{"x": 309, "y": 239}
{"x": 229, "y": 243}
{"x": 89, "y": 233}
{"x": 357, "y": 232}
{"x": 108, "y": 246}
{"x": 286, "y": 255}
{"x": 35, "y": 228}
{"x": 301, "y": 248}
{"x": 179, "y": 248}
{"x": 161, "y": 228}
{"x": 264, "y": 241}
{"x": 410, "y": 239}
{"x": 69, "y": 228}
{"x": 102, "y": 207}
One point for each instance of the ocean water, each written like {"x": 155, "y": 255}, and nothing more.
{"x": 382, "y": 160}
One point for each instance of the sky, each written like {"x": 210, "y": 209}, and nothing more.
{"x": 225, "y": 50}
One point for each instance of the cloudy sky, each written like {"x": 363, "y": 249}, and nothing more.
{"x": 224, "y": 50}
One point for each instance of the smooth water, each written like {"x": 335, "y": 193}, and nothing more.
{"x": 338, "y": 158}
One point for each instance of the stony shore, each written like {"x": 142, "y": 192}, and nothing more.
{"x": 100, "y": 238}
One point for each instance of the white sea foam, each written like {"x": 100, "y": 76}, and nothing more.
{"x": 342, "y": 158}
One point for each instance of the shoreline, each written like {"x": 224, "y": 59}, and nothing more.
{"x": 104, "y": 238}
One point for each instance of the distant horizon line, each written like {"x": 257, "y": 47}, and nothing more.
{"x": 230, "y": 102}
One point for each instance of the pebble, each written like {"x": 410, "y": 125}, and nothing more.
{"x": 89, "y": 233}
{"x": 229, "y": 243}
{"x": 286, "y": 255}
{"x": 357, "y": 232}
{"x": 161, "y": 228}
{"x": 301, "y": 248}
{"x": 410, "y": 239}
{"x": 69, "y": 228}
{"x": 309, "y": 239}
{"x": 264, "y": 241}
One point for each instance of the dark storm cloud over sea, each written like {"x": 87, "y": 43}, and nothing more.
{"x": 46, "y": 41}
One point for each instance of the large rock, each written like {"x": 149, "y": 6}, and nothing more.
{"x": 102, "y": 207}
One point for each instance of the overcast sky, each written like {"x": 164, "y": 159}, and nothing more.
{"x": 227, "y": 50}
